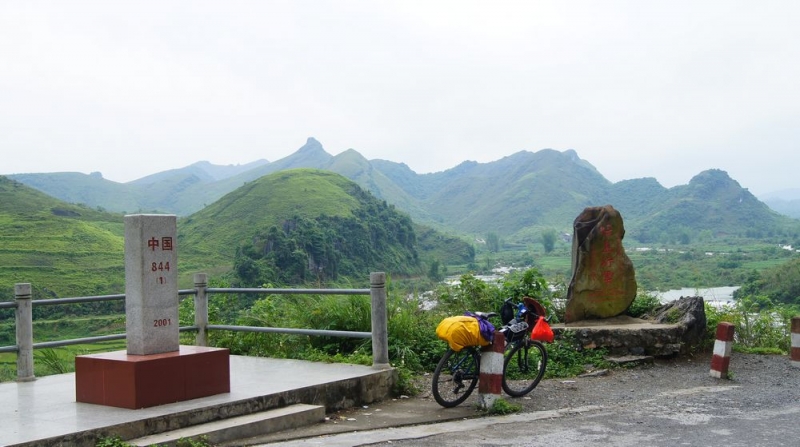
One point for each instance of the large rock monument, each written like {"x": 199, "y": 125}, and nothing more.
{"x": 603, "y": 281}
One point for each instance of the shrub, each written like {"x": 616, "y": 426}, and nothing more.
{"x": 643, "y": 304}
{"x": 567, "y": 358}
{"x": 761, "y": 327}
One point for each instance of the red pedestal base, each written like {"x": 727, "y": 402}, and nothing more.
{"x": 117, "y": 379}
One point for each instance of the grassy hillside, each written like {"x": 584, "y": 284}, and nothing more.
{"x": 209, "y": 239}
{"x": 62, "y": 249}
{"x": 92, "y": 190}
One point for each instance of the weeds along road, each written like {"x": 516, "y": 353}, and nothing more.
{"x": 669, "y": 403}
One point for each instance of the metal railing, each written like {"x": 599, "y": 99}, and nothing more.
{"x": 24, "y": 319}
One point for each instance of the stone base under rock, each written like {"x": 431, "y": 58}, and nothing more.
{"x": 625, "y": 335}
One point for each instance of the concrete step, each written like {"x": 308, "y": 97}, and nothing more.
{"x": 240, "y": 427}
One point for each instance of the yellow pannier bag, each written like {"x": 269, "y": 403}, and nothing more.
{"x": 460, "y": 331}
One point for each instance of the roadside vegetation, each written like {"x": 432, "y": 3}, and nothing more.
{"x": 762, "y": 324}
{"x": 761, "y": 313}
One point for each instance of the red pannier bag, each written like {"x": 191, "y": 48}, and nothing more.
{"x": 542, "y": 331}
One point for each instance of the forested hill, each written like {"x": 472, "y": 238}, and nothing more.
{"x": 302, "y": 225}
{"x": 712, "y": 202}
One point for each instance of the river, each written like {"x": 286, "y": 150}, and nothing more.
{"x": 716, "y": 296}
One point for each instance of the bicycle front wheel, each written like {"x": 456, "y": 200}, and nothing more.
{"x": 524, "y": 367}
{"x": 455, "y": 377}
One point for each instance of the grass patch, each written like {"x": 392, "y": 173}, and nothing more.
{"x": 502, "y": 407}
{"x": 566, "y": 358}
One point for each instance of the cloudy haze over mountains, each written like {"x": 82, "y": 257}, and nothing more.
{"x": 662, "y": 89}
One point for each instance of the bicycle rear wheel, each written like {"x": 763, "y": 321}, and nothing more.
{"x": 524, "y": 367}
{"x": 455, "y": 377}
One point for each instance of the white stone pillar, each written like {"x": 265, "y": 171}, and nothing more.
{"x": 24, "y": 318}
{"x": 201, "y": 308}
{"x": 380, "y": 325}
{"x": 151, "y": 284}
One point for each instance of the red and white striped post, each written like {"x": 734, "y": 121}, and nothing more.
{"x": 796, "y": 342}
{"x": 722, "y": 350}
{"x": 490, "y": 384}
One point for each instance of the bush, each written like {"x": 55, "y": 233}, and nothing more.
{"x": 760, "y": 325}
{"x": 412, "y": 335}
{"x": 567, "y": 358}
{"x": 643, "y": 304}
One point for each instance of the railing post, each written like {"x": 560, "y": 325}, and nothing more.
{"x": 201, "y": 308}
{"x": 22, "y": 295}
{"x": 380, "y": 327}
{"x": 795, "y": 346}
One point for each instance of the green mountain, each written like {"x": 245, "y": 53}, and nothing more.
{"x": 289, "y": 225}
{"x": 203, "y": 170}
{"x": 506, "y": 196}
{"x": 61, "y": 249}
{"x": 515, "y": 197}
{"x": 91, "y": 190}
{"x": 177, "y": 191}
{"x": 714, "y": 202}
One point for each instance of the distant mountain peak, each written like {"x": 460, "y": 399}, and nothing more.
{"x": 312, "y": 145}
{"x": 717, "y": 174}
{"x": 573, "y": 156}
{"x": 714, "y": 178}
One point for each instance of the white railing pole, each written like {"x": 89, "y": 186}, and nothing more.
{"x": 201, "y": 308}
{"x": 22, "y": 295}
{"x": 380, "y": 327}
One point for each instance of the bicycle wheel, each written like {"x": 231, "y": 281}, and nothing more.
{"x": 524, "y": 367}
{"x": 455, "y": 377}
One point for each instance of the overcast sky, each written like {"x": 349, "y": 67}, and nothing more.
{"x": 662, "y": 89}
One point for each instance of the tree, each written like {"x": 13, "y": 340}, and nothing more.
{"x": 436, "y": 272}
{"x": 493, "y": 242}
{"x": 549, "y": 240}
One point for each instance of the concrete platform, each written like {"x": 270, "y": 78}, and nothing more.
{"x": 45, "y": 412}
{"x": 624, "y": 335}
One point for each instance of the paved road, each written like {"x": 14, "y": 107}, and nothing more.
{"x": 695, "y": 417}
{"x": 692, "y": 417}
{"x": 668, "y": 404}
